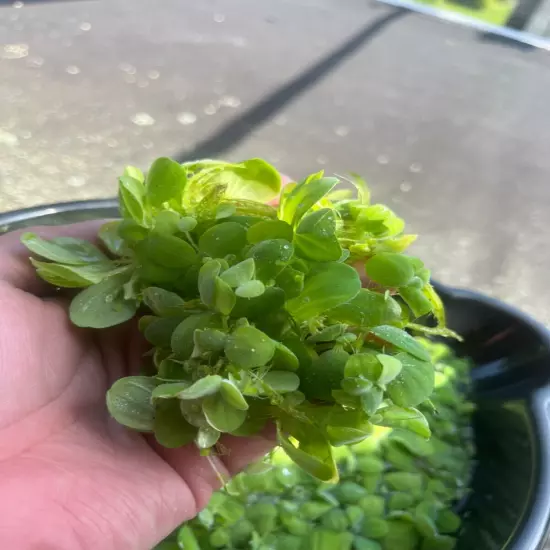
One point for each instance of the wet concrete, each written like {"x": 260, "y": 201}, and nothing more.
{"x": 451, "y": 129}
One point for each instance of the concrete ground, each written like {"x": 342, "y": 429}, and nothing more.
{"x": 450, "y": 127}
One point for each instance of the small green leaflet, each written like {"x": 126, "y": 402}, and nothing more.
{"x": 165, "y": 182}
{"x": 233, "y": 396}
{"x": 249, "y": 347}
{"x": 163, "y": 302}
{"x": 214, "y": 291}
{"x": 108, "y": 234}
{"x": 401, "y": 340}
{"x": 64, "y": 250}
{"x": 167, "y": 251}
{"x": 131, "y": 194}
{"x": 129, "y": 402}
{"x": 269, "y": 229}
{"x": 332, "y": 286}
{"x": 221, "y": 415}
{"x": 74, "y": 276}
{"x": 240, "y": 273}
{"x": 315, "y": 237}
{"x": 170, "y": 428}
{"x": 415, "y": 382}
{"x": 391, "y": 367}
{"x": 223, "y": 239}
{"x": 389, "y": 269}
{"x": 250, "y": 289}
{"x": 407, "y": 418}
{"x": 103, "y": 305}
{"x": 368, "y": 309}
{"x": 281, "y": 381}
{"x": 204, "y": 387}
{"x": 206, "y": 438}
{"x": 182, "y": 338}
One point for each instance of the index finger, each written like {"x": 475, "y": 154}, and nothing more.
{"x": 15, "y": 268}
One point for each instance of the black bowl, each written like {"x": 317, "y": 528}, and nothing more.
{"x": 510, "y": 504}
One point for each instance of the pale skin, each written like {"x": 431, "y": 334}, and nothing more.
{"x": 70, "y": 477}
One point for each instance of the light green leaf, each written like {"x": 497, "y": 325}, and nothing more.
{"x": 170, "y": 390}
{"x": 315, "y": 237}
{"x": 129, "y": 402}
{"x": 415, "y": 382}
{"x": 281, "y": 381}
{"x": 165, "y": 182}
{"x": 163, "y": 302}
{"x": 73, "y": 276}
{"x": 371, "y": 400}
{"x": 270, "y": 258}
{"x": 159, "y": 331}
{"x": 223, "y": 239}
{"x": 207, "y": 437}
{"x": 249, "y": 347}
{"x": 266, "y": 230}
{"x": 131, "y": 194}
{"x": 187, "y": 223}
{"x": 221, "y": 415}
{"x": 214, "y": 291}
{"x": 167, "y": 251}
{"x": 171, "y": 429}
{"x": 239, "y": 273}
{"x": 166, "y": 222}
{"x": 204, "y": 387}
{"x": 389, "y": 269}
{"x": 416, "y": 299}
{"x": 233, "y": 395}
{"x": 182, "y": 338}
{"x": 368, "y": 309}
{"x": 64, "y": 250}
{"x": 102, "y": 305}
{"x": 108, "y": 234}
{"x": 401, "y": 340}
{"x": 332, "y": 286}
{"x": 364, "y": 365}
{"x": 407, "y": 418}
{"x": 209, "y": 340}
{"x": 284, "y": 358}
{"x": 391, "y": 367}
{"x": 303, "y": 196}
{"x": 250, "y": 289}
{"x": 136, "y": 173}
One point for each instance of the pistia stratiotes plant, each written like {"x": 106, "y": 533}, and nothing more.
{"x": 254, "y": 312}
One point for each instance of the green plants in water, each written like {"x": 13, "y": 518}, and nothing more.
{"x": 397, "y": 490}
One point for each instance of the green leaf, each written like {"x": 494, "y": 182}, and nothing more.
{"x": 171, "y": 429}
{"x": 187, "y": 223}
{"x": 108, "y": 234}
{"x": 252, "y": 179}
{"x": 406, "y": 418}
{"x": 250, "y": 289}
{"x": 186, "y": 538}
{"x": 223, "y": 239}
{"x": 102, "y": 305}
{"x": 266, "y": 230}
{"x": 204, "y": 387}
{"x": 270, "y": 258}
{"x": 207, "y": 437}
{"x": 356, "y": 385}
{"x": 129, "y": 402}
{"x": 324, "y": 375}
{"x": 284, "y": 358}
{"x": 328, "y": 334}
{"x": 401, "y": 340}
{"x": 159, "y": 331}
{"x": 73, "y": 276}
{"x": 313, "y": 453}
{"x": 170, "y": 390}
{"x": 367, "y": 309}
{"x": 221, "y": 415}
{"x": 371, "y": 400}
{"x": 364, "y": 365}
{"x": 281, "y": 381}
{"x": 163, "y": 302}
{"x": 182, "y": 338}
{"x": 214, "y": 291}
{"x": 165, "y": 182}
{"x": 233, "y": 395}
{"x": 249, "y": 347}
{"x": 64, "y": 250}
{"x": 391, "y": 367}
{"x": 167, "y": 251}
{"x": 389, "y": 269}
{"x": 414, "y": 384}
{"x": 327, "y": 539}
{"x": 131, "y": 194}
{"x": 416, "y": 299}
{"x": 303, "y": 196}
{"x": 329, "y": 287}
{"x": 209, "y": 340}
{"x": 166, "y": 222}
{"x": 291, "y": 281}
{"x": 135, "y": 173}
{"x": 315, "y": 237}
{"x": 240, "y": 273}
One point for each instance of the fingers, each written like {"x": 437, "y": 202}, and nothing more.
{"x": 15, "y": 267}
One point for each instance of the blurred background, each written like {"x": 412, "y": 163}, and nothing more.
{"x": 448, "y": 121}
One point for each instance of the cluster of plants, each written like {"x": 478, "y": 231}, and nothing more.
{"x": 397, "y": 490}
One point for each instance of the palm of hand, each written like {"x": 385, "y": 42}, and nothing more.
{"x": 70, "y": 477}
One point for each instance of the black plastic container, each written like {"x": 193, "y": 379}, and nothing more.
{"x": 510, "y": 505}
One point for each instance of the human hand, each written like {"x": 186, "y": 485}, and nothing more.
{"x": 71, "y": 478}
